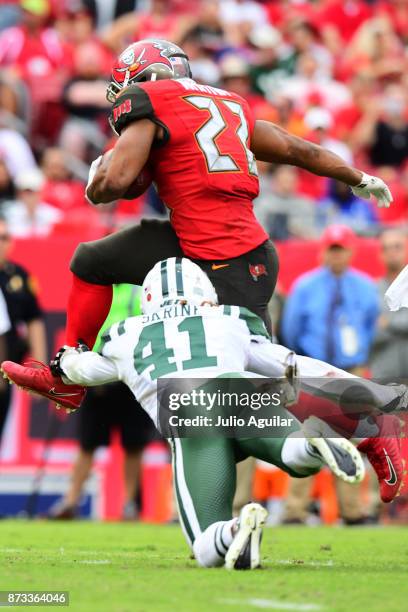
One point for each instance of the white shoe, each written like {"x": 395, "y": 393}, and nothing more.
{"x": 245, "y": 550}
{"x": 339, "y": 454}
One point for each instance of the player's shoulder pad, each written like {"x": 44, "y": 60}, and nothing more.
{"x": 132, "y": 104}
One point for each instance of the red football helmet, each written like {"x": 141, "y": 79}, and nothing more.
{"x": 147, "y": 60}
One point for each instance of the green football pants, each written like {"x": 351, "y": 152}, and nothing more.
{"x": 205, "y": 475}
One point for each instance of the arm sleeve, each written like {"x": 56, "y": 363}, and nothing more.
{"x": 5, "y": 324}
{"x": 321, "y": 379}
{"x": 268, "y": 359}
{"x": 89, "y": 369}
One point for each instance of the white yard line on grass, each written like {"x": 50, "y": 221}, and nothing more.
{"x": 274, "y": 604}
{"x": 95, "y": 561}
{"x": 12, "y": 550}
{"x": 328, "y": 563}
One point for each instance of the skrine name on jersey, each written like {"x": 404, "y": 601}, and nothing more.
{"x": 191, "y": 85}
{"x": 179, "y": 310}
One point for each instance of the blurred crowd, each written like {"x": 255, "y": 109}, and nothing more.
{"x": 334, "y": 72}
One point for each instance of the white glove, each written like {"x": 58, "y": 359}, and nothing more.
{"x": 93, "y": 170}
{"x": 372, "y": 185}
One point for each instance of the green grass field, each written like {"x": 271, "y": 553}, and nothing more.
{"x": 135, "y": 567}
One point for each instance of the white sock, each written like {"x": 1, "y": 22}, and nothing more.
{"x": 89, "y": 368}
{"x": 211, "y": 546}
{"x": 67, "y": 364}
{"x": 299, "y": 455}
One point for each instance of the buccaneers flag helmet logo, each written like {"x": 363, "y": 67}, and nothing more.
{"x": 148, "y": 60}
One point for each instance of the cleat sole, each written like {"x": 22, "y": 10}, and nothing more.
{"x": 27, "y": 390}
{"x": 251, "y": 523}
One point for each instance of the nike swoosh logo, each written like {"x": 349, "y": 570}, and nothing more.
{"x": 393, "y": 475}
{"x": 56, "y": 394}
{"x": 218, "y": 266}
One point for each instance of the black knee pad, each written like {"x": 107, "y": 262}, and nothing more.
{"x": 85, "y": 265}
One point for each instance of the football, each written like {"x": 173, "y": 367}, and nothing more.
{"x": 139, "y": 185}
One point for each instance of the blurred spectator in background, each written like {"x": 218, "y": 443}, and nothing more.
{"x": 308, "y": 81}
{"x": 303, "y": 37}
{"x": 375, "y": 49}
{"x": 60, "y": 189}
{"x": 203, "y": 66}
{"x": 240, "y": 17}
{"x": 268, "y": 64}
{"x": 331, "y": 315}
{"x": 319, "y": 124}
{"x": 75, "y": 23}
{"x": 281, "y": 210}
{"x": 339, "y": 21}
{"x": 319, "y": 121}
{"x": 331, "y": 312}
{"x": 36, "y": 54}
{"x": 286, "y": 116}
{"x": 105, "y": 409}
{"x": 341, "y": 206}
{"x": 28, "y": 216}
{"x": 235, "y": 77}
{"x": 364, "y": 93}
{"x": 159, "y": 22}
{"x": 106, "y": 11}
{"x": 397, "y": 14}
{"x": 16, "y": 152}
{"x": 386, "y": 132}
{"x": 389, "y": 355}
{"x": 26, "y": 336}
{"x": 7, "y": 189}
{"x": 207, "y": 28}
{"x": 9, "y": 14}
{"x": 85, "y": 131}
{"x": 14, "y": 103}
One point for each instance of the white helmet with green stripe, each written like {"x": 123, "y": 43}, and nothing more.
{"x": 176, "y": 279}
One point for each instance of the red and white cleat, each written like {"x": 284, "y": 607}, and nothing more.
{"x": 36, "y": 377}
{"x": 385, "y": 455}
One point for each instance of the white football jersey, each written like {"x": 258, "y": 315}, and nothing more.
{"x": 181, "y": 341}
{"x": 185, "y": 341}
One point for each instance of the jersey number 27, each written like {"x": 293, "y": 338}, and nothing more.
{"x": 207, "y": 134}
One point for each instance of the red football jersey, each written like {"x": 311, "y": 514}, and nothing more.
{"x": 204, "y": 171}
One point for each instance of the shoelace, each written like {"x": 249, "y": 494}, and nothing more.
{"x": 39, "y": 365}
